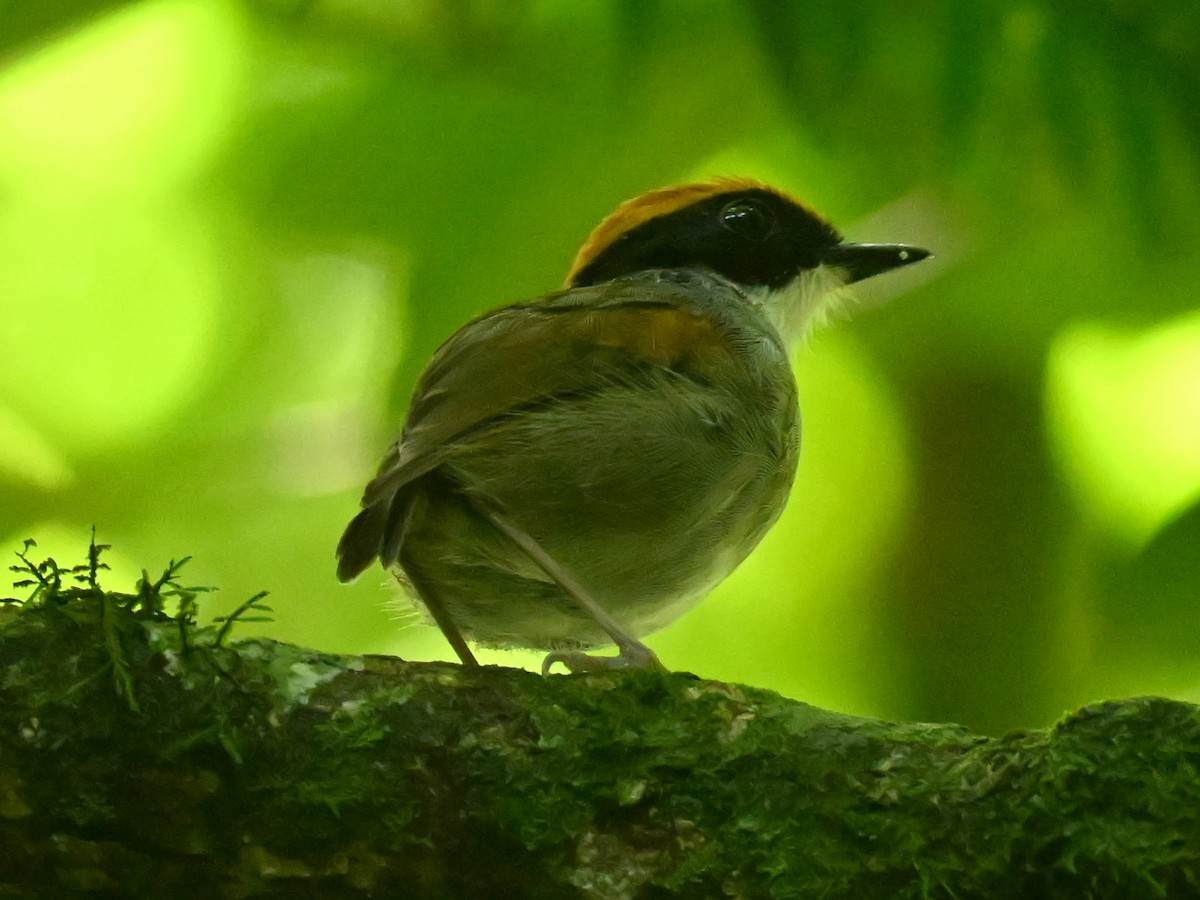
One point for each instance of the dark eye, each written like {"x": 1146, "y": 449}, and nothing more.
{"x": 748, "y": 219}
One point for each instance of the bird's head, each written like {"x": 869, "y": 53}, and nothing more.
{"x": 780, "y": 251}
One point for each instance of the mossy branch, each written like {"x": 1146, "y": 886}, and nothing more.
{"x": 258, "y": 769}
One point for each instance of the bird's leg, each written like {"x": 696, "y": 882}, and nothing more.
{"x": 633, "y": 653}
{"x": 436, "y": 609}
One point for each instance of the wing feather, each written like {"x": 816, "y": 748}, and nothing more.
{"x": 551, "y": 350}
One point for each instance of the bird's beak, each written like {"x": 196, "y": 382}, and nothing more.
{"x": 861, "y": 261}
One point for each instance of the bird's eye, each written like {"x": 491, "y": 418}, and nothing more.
{"x": 747, "y": 218}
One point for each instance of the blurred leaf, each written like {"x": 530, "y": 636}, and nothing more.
{"x": 972, "y": 32}
{"x": 1134, "y": 59}
{"x": 29, "y": 24}
{"x": 81, "y": 119}
{"x": 1122, "y": 411}
{"x": 1061, "y": 75}
{"x": 637, "y": 25}
{"x": 815, "y": 53}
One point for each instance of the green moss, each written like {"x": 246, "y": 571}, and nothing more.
{"x": 262, "y": 769}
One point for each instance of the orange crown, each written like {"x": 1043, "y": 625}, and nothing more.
{"x": 662, "y": 202}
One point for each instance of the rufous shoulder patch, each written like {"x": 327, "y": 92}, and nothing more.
{"x": 671, "y": 338}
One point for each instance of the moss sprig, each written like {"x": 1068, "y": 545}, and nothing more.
{"x": 77, "y": 591}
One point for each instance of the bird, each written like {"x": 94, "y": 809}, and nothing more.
{"x": 580, "y": 469}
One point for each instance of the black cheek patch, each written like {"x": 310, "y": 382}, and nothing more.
{"x": 697, "y": 236}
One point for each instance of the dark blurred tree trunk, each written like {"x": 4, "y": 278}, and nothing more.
{"x": 979, "y": 572}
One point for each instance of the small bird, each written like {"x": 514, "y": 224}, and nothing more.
{"x": 581, "y": 469}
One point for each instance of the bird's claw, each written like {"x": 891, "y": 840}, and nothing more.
{"x": 635, "y": 656}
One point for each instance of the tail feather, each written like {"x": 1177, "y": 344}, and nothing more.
{"x": 395, "y": 526}
{"x": 362, "y": 541}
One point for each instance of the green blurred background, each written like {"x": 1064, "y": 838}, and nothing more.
{"x": 231, "y": 233}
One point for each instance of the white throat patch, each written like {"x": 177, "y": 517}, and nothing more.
{"x": 805, "y": 303}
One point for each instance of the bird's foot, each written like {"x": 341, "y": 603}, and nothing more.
{"x": 632, "y": 656}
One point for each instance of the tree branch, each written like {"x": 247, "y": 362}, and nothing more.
{"x": 265, "y": 770}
